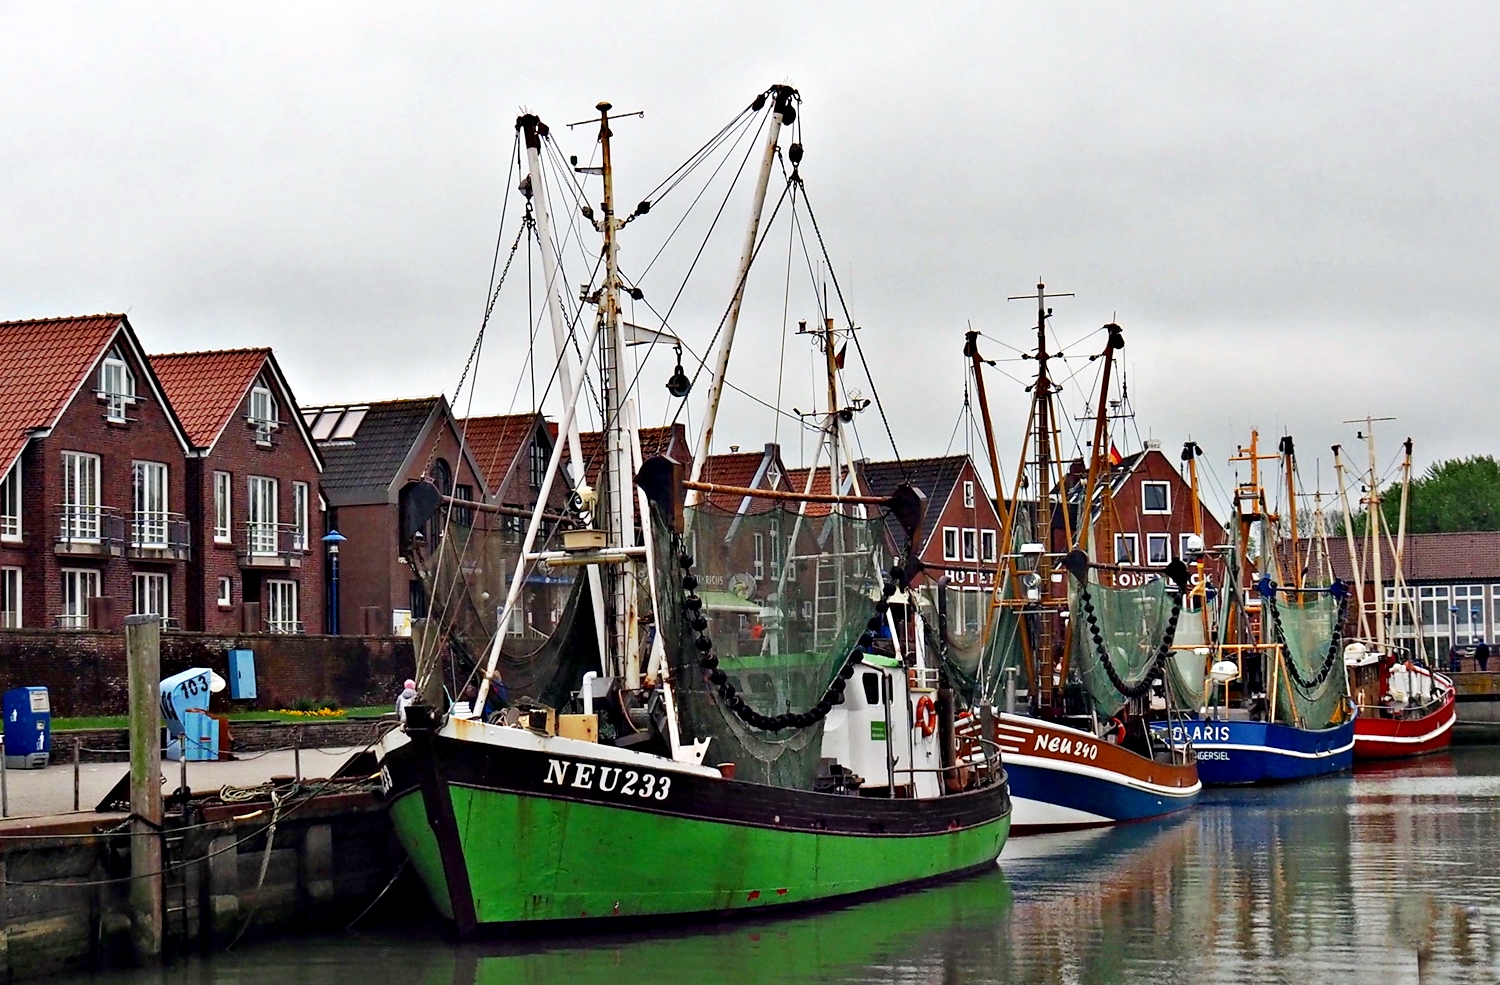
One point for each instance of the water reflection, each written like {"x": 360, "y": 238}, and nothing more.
{"x": 1391, "y": 875}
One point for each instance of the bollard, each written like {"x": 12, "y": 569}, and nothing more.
{"x": 143, "y": 669}
{"x": 182, "y": 767}
{"x": 297, "y": 752}
{"x": 76, "y": 744}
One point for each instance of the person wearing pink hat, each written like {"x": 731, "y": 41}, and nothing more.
{"x": 404, "y": 700}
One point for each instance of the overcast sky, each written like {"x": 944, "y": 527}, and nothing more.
{"x": 1289, "y": 207}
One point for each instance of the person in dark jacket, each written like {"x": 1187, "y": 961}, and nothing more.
{"x": 1482, "y": 654}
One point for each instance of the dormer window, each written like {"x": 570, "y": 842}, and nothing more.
{"x": 262, "y": 413}
{"x": 116, "y": 386}
{"x": 537, "y": 465}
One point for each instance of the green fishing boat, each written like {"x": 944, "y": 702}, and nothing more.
{"x": 668, "y": 751}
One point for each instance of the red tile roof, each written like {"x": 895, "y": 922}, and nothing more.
{"x": 44, "y": 362}
{"x": 205, "y": 388}
{"x": 733, "y": 469}
{"x": 667, "y": 441}
{"x": 495, "y": 443}
{"x": 796, "y": 480}
{"x": 1466, "y": 556}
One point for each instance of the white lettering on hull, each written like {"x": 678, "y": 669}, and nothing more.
{"x": 1063, "y": 745}
{"x": 606, "y": 779}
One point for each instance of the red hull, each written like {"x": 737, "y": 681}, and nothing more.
{"x": 1396, "y": 738}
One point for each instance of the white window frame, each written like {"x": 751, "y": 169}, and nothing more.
{"x": 299, "y": 516}
{"x": 1134, "y": 541}
{"x": 12, "y": 582}
{"x": 118, "y": 394}
{"x": 78, "y": 586}
{"x": 81, "y": 515}
{"x": 536, "y": 464}
{"x": 1469, "y": 601}
{"x": 1166, "y": 490}
{"x": 968, "y": 494}
{"x": 10, "y": 504}
{"x": 759, "y": 567}
{"x": 150, "y": 593}
{"x": 223, "y": 508}
{"x": 950, "y": 543}
{"x": 149, "y": 490}
{"x": 263, "y": 407}
{"x": 261, "y": 516}
{"x": 988, "y": 550}
{"x": 281, "y": 605}
{"x": 970, "y": 544}
{"x": 1165, "y": 540}
{"x": 226, "y": 591}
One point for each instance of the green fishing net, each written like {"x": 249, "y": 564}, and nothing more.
{"x": 978, "y": 672}
{"x": 1187, "y": 669}
{"x": 786, "y": 591}
{"x": 1308, "y": 627}
{"x": 1131, "y": 624}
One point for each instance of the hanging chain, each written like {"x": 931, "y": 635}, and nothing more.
{"x": 1144, "y": 684}
{"x": 1333, "y": 644}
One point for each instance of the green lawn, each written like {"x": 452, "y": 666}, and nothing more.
{"x": 120, "y": 721}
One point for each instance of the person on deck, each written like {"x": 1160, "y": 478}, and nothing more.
{"x": 1455, "y": 659}
{"x": 1482, "y": 655}
{"x": 405, "y": 698}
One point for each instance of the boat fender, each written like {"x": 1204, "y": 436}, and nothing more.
{"x": 926, "y": 715}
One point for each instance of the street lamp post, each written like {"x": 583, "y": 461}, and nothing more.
{"x": 333, "y": 539}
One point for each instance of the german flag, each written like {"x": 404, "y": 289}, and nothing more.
{"x": 1115, "y": 458}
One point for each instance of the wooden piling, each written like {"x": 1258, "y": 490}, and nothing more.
{"x": 143, "y": 668}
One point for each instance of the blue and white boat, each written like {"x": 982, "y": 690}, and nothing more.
{"x": 1290, "y": 717}
{"x": 1240, "y": 753}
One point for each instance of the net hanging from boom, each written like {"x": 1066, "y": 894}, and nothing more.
{"x": 786, "y": 593}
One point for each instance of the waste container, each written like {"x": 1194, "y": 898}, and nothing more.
{"x": 28, "y": 728}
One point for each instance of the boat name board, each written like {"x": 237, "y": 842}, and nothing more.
{"x": 1065, "y": 746}
{"x": 1198, "y": 732}
{"x": 617, "y": 780}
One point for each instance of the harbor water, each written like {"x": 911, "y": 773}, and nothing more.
{"x": 1386, "y": 875}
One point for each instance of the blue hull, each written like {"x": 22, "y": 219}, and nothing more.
{"x": 1047, "y": 798}
{"x": 1241, "y": 753}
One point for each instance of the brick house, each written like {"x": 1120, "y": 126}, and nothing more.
{"x": 372, "y": 453}
{"x": 1151, "y": 516}
{"x": 92, "y": 521}
{"x": 252, "y": 494}
{"x": 512, "y": 451}
{"x": 960, "y": 535}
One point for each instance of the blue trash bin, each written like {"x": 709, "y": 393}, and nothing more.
{"x": 28, "y": 728}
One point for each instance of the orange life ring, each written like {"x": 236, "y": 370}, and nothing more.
{"x": 926, "y": 715}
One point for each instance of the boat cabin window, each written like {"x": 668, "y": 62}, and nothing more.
{"x": 871, "y": 682}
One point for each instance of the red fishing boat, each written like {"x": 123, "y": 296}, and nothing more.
{"x": 1404, "y": 709}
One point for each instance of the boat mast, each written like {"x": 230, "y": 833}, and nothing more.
{"x": 620, "y": 514}
{"x": 1398, "y": 577}
{"x": 782, "y": 111}
{"x": 1356, "y": 563}
{"x": 1374, "y": 521}
{"x": 1190, "y": 453}
{"x": 533, "y": 130}
{"x": 1289, "y": 465}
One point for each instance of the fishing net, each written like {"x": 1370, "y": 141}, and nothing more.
{"x": 1132, "y": 622}
{"x": 1308, "y": 627}
{"x": 550, "y": 639}
{"x": 786, "y": 593}
{"x": 1186, "y": 669}
{"x": 978, "y": 673}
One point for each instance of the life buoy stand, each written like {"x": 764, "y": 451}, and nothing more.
{"x": 926, "y": 715}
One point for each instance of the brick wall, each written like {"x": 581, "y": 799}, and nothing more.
{"x": 85, "y": 671}
{"x": 288, "y": 460}
{"x": 149, "y": 436}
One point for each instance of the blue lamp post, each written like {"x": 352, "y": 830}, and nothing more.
{"x": 333, "y": 539}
